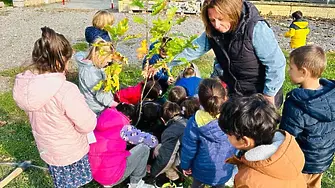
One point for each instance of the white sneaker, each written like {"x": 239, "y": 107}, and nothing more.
{"x": 140, "y": 184}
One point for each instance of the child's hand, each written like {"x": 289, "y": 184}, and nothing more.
{"x": 148, "y": 169}
{"x": 187, "y": 172}
{"x": 170, "y": 80}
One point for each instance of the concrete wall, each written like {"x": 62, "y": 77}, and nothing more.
{"x": 22, "y": 3}
{"x": 286, "y": 9}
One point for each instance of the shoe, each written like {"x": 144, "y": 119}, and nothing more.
{"x": 140, "y": 184}
{"x": 179, "y": 183}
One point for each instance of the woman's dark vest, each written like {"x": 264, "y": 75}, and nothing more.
{"x": 243, "y": 72}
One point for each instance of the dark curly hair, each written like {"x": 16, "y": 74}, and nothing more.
{"x": 253, "y": 117}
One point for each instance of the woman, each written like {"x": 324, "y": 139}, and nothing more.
{"x": 245, "y": 47}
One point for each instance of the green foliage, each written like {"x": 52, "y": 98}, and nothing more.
{"x": 138, "y": 3}
{"x": 116, "y": 32}
{"x": 81, "y": 46}
{"x": 158, "y": 7}
{"x": 8, "y": 2}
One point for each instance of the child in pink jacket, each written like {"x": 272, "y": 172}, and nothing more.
{"x": 58, "y": 114}
{"x": 111, "y": 163}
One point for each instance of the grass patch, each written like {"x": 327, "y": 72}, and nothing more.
{"x": 17, "y": 143}
{"x": 81, "y": 46}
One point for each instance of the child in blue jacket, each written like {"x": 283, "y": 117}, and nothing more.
{"x": 204, "y": 146}
{"x": 309, "y": 111}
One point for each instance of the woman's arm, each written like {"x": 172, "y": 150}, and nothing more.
{"x": 271, "y": 56}
{"x": 190, "y": 54}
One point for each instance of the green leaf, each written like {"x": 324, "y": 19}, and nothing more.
{"x": 184, "y": 60}
{"x": 139, "y": 20}
{"x": 180, "y": 20}
{"x": 171, "y": 12}
{"x": 156, "y": 8}
{"x": 98, "y": 86}
{"x": 137, "y": 3}
{"x": 128, "y": 37}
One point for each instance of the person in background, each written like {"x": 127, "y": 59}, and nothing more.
{"x": 189, "y": 81}
{"x": 298, "y": 30}
{"x": 100, "y": 20}
{"x": 177, "y": 94}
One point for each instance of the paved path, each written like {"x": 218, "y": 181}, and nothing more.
{"x": 85, "y": 4}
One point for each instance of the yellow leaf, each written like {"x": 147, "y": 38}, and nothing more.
{"x": 142, "y": 50}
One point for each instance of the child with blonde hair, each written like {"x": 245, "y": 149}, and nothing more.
{"x": 57, "y": 111}
{"x": 100, "y": 20}
{"x": 204, "y": 146}
{"x": 309, "y": 113}
{"x": 91, "y": 72}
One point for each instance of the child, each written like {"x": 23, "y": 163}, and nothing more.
{"x": 110, "y": 161}
{"x": 177, "y": 94}
{"x": 100, "y": 20}
{"x": 167, "y": 153}
{"x": 309, "y": 113}
{"x": 162, "y": 75}
{"x": 298, "y": 31}
{"x": 189, "y": 106}
{"x": 132, "y": 94}
{"x": 189, "y": 81}
{"x": 55, "y": 108}
{"x": 267, "y": 157}
{"x": 91, "y": 72}
{"x": 205, "y": 146}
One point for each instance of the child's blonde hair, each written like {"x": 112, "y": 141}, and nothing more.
{"x": 102, "y": 18}
{"x": 100, "y": 52}
{"x": 311, "y": 57}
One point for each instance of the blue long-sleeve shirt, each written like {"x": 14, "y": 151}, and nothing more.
{"x": 266, "y": 48}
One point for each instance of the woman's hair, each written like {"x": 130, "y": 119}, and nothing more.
{"x": 252, "y": 116}
{"x": 128, "y": 110}
{"x": 152, "y": 90}
{"x": 51, "y": 52}
{"x": 189, "y": 106}
{"x": 102, "y": 18}
{"x": 177, "y": 94}
{"x": 212, "y": 95}
{"x": 229, "y": 9}
{"x": 170, "y": 110}
{"x": 297, "y": 15}
{"x": 100, "y": 52}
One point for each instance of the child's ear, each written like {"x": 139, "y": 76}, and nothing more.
{"x": 305, "y": 72}
{"x": 248, "y": 143}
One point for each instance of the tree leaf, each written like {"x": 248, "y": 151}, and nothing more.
{"x": 98, "y": 86}
{"x": 129, "y": 37}
{"x": 138, "y": 3}
{"x": 180, "y": 20}
{"x": 142, "y": 50}
{"x": 171, "y": 12}
{"x": 156, "y": 8}
{"x": 139, "y": 20}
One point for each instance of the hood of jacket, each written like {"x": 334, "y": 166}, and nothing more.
{"x": 319, "y": 104}
{"x": 111, "y": 118}
{"x": 301, "y": 24}
{"x": 80, "y": 58}
{"x": 286, "y": 162}
{"x": 33, "y": 91}
{"x": 92, "y": 33}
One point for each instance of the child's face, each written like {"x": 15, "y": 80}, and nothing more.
{"x": 162, "y": 53}
{"x": 297, "y": 76}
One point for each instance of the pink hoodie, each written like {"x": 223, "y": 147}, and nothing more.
{"x": 108, "y": 156}
{"x": 58, "y": 114}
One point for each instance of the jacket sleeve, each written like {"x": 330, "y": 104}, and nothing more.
{"x": 271, "y": 56}
{"x": 76, "y": 109}
{"x": 161, "y": 75}
{"x": 189, "y": 144}
{"x": 292, "y": 120}
{"x": 134, "y": 136}
{"x": 203, "y": 46}
{"x": 169, "y": 144}
{"x": 290, "y": 33}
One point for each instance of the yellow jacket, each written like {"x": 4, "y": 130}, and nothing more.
{"x": 298, "y": 33}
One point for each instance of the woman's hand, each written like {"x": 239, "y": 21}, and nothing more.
{"x": 170, "y": 80}
{"x": 187, "y": 172}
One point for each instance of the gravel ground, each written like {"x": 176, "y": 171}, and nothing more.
{"x": 20, "y": 28}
